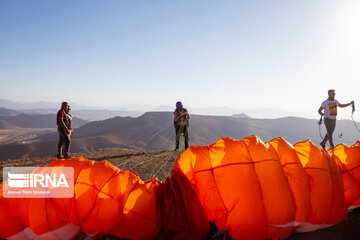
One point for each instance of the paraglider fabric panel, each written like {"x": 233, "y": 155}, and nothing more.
{"x": 252, "y": 189}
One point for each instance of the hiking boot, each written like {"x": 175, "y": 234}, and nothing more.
{"x": 332, "y": 146}
{"x": 322, "y": 145}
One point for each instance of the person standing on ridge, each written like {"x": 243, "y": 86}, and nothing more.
{"x": 330, "y": 111}
{"x": 181, "y": 124}
{"x": 63, "y": 121}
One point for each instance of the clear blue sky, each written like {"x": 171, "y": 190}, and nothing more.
{"x": 240, "y": 54}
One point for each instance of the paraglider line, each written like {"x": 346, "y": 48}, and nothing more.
{"x": 240, "y": 163}
{"x": 319, "y": 123}
{"x": 217, "y": 187}
{"x": 164, "y": 126}
{"x": 165, "y": 163}
{"x": 357, "y": 128}
{"x": 150, "y": 159}
{"x": 97, "y": 195}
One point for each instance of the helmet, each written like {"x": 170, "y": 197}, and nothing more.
{"x": 179, "y": 104}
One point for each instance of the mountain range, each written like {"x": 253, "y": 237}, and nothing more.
{"x": 79, "y": 111}
{"x": 10, "y": 119}
{"x": 155, "y": 131}
{"x": 91, "y": 113}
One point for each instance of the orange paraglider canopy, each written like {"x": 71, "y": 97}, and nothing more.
{"x": 252, "y": 189}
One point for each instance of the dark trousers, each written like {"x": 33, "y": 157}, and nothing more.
{"x": 64, "y": 142}
{"x": 330, "y": 127}
{"x": 181, "y": 129}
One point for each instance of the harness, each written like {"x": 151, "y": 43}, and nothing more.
{"x": 68, "y": 116}
{"x": 68, "y": 119}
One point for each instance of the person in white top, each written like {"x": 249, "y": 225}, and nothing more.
{"x": 330, "y": 111}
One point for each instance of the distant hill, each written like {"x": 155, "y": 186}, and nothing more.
{"x": 88, "y": 115}
{"x": 36, "y": 105}
{"x": 34, "y": 121}
{"x": 123, "y": 110}
{"x": 241, "y": 115}
{"x": 8, "y": 112}
{"x": 79, "y": 111}
{"x": 96, "y": 115}
{"x": 155, "y": 131}
{"x": 6, "y": 125}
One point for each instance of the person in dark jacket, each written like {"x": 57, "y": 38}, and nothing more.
{"x": 181, "y": 124}
{"x": 63, "y": 121}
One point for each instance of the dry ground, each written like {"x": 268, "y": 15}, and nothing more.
{"x": 150, "y": 164}
{"x": 146, "y": 164}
